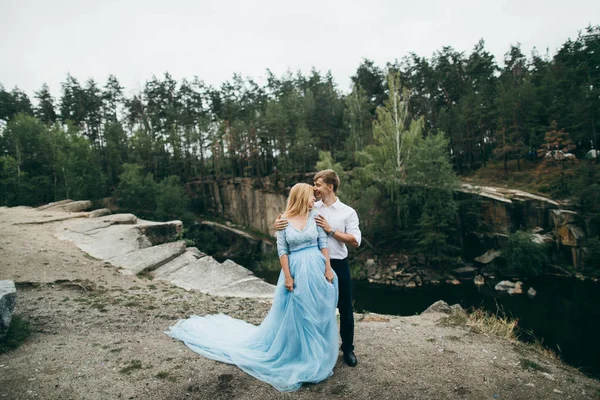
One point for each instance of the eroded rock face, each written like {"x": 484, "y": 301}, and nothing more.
{"x": 242, "y": 201}
{"x": 161, "y": 232}
{"x": 8, "y": 299}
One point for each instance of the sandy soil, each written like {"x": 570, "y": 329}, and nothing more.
{"x": 97, "y": 334}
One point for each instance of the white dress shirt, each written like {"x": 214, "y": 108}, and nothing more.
{"x": 344, "y": 219}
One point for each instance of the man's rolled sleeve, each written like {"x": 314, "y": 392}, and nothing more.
{"x": 352, "y": 227}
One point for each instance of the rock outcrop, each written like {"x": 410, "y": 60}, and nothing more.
{"x": 138, "y": 246}
{"x": 255, "y": 204}
{"x": 8, "y": 298}
{"x": 196, "y": 271}
{"x": 245, "y": 201}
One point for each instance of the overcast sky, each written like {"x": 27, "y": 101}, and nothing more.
{"x": 42, "y": 40}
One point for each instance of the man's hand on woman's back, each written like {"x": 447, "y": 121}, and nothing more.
{"x": 280, "y": 223}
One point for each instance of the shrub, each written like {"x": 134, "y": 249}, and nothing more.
{"x": 523, "y": 255}
{"x": 172, "y": 202}
{"x": 136, "y": 191}
{"x": 592, "y": 254}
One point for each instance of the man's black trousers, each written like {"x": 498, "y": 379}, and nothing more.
{"x": 342, "y": 270}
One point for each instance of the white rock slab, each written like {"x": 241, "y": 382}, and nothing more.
{"x": 104, "y": 241}
{"x": 149, "y": 258}
{"x": 209, "y": 276}
{"x": 191, "y": 254}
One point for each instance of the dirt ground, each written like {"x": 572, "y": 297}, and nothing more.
{"x": 97, "y": 334}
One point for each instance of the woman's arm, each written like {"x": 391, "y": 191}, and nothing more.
{"x": 328, "y": 271}
{"x": 282, "y": 251}
{"x": 323, "y": 242}
{"x": 289, "y": 281}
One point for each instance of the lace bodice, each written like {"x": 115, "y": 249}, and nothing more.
{"x": 291, "y": 239}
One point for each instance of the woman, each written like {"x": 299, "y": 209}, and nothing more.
{"x": 297, "y": 341}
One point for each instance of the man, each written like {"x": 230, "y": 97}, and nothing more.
{"x": 340, "y": 222}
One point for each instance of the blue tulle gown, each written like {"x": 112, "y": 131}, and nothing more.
{"x": 297, "y": 341}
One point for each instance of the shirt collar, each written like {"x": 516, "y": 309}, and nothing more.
{"x": 335, "y": 205}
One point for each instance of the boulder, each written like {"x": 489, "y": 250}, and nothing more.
{"x": 54, "y": 204}
{"x": 99, "y": 213}
{"x": 120, "y": 219}
{"x": 515, "y": 290}
{"x": 8, "y": 298}
{"x": 479, "y": 280}
{"x": 504, "y": 286}
{"x": 76, "y": 206}
{"x": 487, "y": 257}
{"x": 531, "y": 292}
{"x": 439, "y": 306}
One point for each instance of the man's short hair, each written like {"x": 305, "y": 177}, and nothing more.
{"x": 329, "y": 177}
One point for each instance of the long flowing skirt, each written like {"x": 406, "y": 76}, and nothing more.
{"x": 297, "y": 341}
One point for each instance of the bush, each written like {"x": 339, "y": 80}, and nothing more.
{"x": 592, "y": 255}
{"x": 523, "y": 255}
{"x": 589, "y": 199}
{"x": 172, "y": 202}
{"x": 136, "y": 191}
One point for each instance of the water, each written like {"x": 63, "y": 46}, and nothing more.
{"x": 565, "y": 314}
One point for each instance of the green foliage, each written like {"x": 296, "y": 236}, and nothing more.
{"x": 523, "y": 255}
{"x": 75, "y": 169}
{"x": 172, "y": 202}
{"x": 136, "y": 191}
{"x": 432, "y": 184}
{"x": 592, "y": 255}
{"x": 384, "y": 163}
{"x": 269, "y": 262}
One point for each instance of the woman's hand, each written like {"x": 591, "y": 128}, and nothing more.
{"x": 289, "y": 284}
{"x": 329, "y": 275}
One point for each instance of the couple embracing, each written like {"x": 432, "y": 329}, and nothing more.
{"x": 297, "y": 341}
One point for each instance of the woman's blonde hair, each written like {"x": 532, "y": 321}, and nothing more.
{"x": 297, "y": 202}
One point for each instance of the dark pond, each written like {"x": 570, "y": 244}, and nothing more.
{"x": 564, "y": 315}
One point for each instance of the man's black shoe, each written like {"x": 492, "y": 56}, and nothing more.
{"x": 350, "y": 359}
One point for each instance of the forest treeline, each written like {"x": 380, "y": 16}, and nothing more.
{"x": 415, "y": 122}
